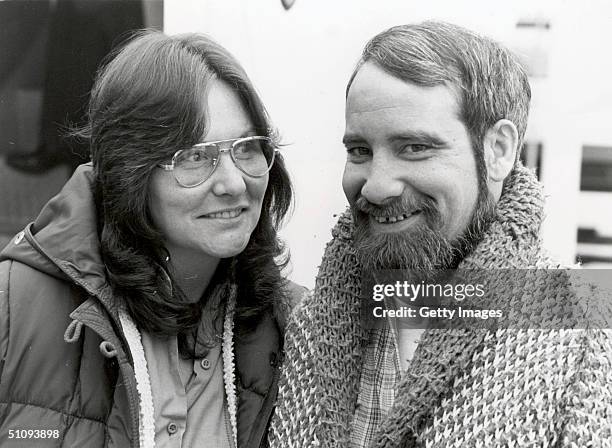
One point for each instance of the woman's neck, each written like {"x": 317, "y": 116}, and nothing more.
{"x": 192, "y": 273}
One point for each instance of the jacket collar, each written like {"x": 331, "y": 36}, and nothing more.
{"x": 63, "y": 240}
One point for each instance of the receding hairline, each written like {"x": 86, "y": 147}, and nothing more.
{"x": 433, "y": 51}
{"x": 453, "y": 88}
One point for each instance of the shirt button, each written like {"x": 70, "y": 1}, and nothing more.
{"x": 205, "y": 363}
{"x": 172, "y": 428}
{"x": 19, "y": 237}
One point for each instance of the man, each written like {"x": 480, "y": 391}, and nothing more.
{"x": 435, "y": 117}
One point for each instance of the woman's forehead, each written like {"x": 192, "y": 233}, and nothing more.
{"x": 226, "y": 114}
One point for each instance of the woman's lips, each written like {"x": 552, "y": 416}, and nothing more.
{"x": 225, "y": 214}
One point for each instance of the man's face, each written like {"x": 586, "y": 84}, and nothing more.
{"x": 410, "y": 175}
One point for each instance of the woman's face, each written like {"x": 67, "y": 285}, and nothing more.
{"x": 215, "y": 219}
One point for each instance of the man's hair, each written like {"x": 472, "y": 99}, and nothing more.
{"x": 149, "y": 101}
{"x": 490, "y": 82}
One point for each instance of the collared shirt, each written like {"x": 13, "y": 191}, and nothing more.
{"x": 387, "y": 355}
{"x": 190, "y": 406}
{"x": 189, "y": 402}
{"x": 380, "y": 373}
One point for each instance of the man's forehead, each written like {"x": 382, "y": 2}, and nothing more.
{"x": 373, "y": 89}
{"x": 380, "y": 105}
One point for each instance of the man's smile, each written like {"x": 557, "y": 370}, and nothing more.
{"x": 392, "y": 219}
{"x": 397, "y": 223}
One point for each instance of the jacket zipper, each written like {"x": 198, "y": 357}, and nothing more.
{"x": 267, "y": 409}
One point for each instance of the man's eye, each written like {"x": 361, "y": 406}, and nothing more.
{"x": 359, "y": 152}
{"x": 415, "y": 148}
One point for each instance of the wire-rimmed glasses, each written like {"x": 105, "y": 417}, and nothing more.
{"x": 254, "y": 156}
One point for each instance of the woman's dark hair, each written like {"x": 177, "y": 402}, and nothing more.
{"x": 148, "y": 102}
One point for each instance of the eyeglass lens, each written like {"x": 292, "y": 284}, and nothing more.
{"x": 254, "y": 157}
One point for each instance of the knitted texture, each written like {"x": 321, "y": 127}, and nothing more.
{"x": 229, "y": 365}
{"x": 143, "y": 383}
{"x": 465, "y": 386}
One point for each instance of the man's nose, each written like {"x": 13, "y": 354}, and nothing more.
{"x": 227, "y": 178}
{"x": 383, "y": 181}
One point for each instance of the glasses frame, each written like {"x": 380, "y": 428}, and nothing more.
{"x": 234, "y": 142}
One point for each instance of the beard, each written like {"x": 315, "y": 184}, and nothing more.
{"x": 422, "y": 249}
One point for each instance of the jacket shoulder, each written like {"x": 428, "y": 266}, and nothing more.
{"x": 44, "y": 380}
{"x": 34, "y": 310}
{"x": 26, "y": 286}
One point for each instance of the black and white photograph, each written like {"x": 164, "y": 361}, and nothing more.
{"x": 305, "y": 223}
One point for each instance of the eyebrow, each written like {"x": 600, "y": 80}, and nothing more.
{"x": 349, "y": 138}
{"x": 421, "y": 136}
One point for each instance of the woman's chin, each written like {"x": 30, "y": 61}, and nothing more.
{"x": 230, "y": 249}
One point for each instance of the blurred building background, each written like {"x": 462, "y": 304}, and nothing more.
{"x": 300, "y": 54}
{"x": 49, "y": 53}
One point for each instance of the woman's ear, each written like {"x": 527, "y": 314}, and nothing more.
{"x": 500, "y": 147}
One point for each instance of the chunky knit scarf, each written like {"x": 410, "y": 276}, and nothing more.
{"x": 464, "y": 387}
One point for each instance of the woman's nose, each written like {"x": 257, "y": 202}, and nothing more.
{"x": 227, "y": 178}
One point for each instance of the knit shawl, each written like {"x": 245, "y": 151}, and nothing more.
{"x": 464, "y": 387}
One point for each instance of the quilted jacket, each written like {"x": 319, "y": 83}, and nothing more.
{"x": 65, "y": 364}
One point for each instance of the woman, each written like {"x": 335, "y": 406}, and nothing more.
{"x": 144, "y": 305}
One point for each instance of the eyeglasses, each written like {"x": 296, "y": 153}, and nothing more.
{"x": 191, "y": 167}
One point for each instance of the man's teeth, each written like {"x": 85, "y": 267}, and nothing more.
{"x": 388, "y": 219}
{"x": 225, "y": 215}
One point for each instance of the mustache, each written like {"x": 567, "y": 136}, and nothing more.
{"x": 396, "y": 206}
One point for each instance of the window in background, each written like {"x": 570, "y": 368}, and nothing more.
{"x": 595, "y": 208}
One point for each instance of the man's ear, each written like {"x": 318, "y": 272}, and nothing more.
{"x": 500, "y": 147}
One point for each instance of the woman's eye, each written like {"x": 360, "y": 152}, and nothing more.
{"x": 199, "y": 156}
{"x": 249, "y": 148}
{"x": 195, "y": 157}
